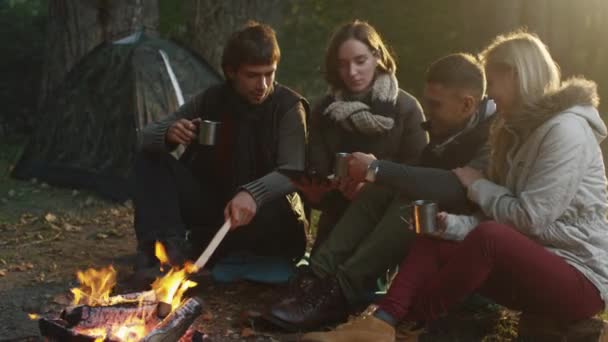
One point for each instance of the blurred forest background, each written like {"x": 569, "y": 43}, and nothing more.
{"x": 49, "y": 232}
{"x": 43, "y": 39}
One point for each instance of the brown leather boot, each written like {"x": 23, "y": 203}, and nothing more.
{"x": 368, "y": 328}
{"x": 364, "y": 328}
{"x": 321, "y": 305}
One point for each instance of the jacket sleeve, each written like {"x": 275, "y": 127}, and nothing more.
{"x": 291, "y": 155}
{"x": 481, "y": 159}
{"x": 413, "y": 138}
{"x": 553, "y": 179}
{"x": 424, "y": 183}
{"x": 459, "y": 226}
{"x": 153, "y": 135}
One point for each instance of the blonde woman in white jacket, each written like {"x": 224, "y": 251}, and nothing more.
{"x": 540, "y": 243}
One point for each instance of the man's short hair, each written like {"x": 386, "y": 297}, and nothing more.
{"x": 255, "y": 44}
{"x": 458, "y": 70}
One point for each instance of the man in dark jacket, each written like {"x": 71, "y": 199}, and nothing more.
{"x": 372, "y": 236}
{"x": 262, "y": 129}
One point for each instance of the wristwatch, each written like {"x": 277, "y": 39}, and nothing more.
{"x": 372, "y": 171}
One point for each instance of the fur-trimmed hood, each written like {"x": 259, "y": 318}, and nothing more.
{"x": 576, "y": 95}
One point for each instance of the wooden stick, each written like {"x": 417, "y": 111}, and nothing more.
{"x": 219, "y": 236}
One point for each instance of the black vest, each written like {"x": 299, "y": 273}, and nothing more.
{"x": 217, "y": 163}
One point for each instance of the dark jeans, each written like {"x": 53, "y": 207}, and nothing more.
{"x": 333, "y": 207}
{"x": 496, "y": 261}
{"x": 170, "y": 200}
{"x": 370, "y": 238}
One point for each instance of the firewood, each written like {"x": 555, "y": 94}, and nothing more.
{"x": 174, "y": 326}
{"x": 85, "y": 316}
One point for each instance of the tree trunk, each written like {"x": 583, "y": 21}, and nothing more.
{"x": 75, "y": 27}
{"x": 213, "y": 21}
{"x": 507, "y": 15}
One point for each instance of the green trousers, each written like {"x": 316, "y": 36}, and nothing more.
{"x": 370, "y": 238}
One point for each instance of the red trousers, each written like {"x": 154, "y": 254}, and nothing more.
{"x": 496, "y": 261}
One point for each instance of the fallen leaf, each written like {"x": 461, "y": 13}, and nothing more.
{"x": 246, "y": 332}
{"x": 115, "y": 212}
{"x": 71, "y": 228}
{"x": 207, "y": 316}
{"x": 3, "y": 262}
{"x": 50, "y": 218}
{"x": 3, "y": 272}
{"x": 114, "y": 232}
{"x": 89, "y": 201}
{"x": 19, "y": 268}
{"x": 27, "y": 219}
{"x": 29, "y": 265}
{"x": 44, "y": 185}
{"x": 102, "y": 236}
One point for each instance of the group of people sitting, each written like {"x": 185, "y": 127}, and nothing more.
{"x": 507, "y": 149}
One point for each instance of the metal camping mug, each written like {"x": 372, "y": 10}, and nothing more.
{"x": 208, "y": 132}
{"x": 424, "y": 217}
{"x": 341, "y": 165}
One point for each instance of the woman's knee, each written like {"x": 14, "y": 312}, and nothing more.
{"x": 489, "y": 230}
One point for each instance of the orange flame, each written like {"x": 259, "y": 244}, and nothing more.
{"x": 170, "y": 288}
{"x": 161, "y": 253}
{"x": 97, "y": 285}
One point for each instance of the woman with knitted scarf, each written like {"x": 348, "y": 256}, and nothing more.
{"x": 364, "y": 111}
{"x": 540, "y": 243}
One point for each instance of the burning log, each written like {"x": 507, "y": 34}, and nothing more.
{"x": 177, "y": 323}
{"x": 86, "y": 316}
{"x": 77, "y": 320}
{"x": 98, "y": 316}
{"x": 134, "y": 297}
{"x": 57, "y": 330}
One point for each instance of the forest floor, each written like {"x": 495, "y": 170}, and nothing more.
{"x": 48, "y": 233}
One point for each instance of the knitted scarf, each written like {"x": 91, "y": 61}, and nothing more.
{"x": 352, "y": 114}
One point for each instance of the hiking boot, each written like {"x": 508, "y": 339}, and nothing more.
{"x": 363, "y": 328}
{"x": 323, "y": 304}
{"x": 298, "y": 284}
{"x": 302, "y": 281}
{"x": 366, "y": 328}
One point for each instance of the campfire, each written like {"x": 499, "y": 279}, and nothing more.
{"x": 159, "y": 314}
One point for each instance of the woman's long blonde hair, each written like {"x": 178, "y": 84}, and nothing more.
{"x": 536, "y": 73}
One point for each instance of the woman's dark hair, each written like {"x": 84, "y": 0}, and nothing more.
{"x": 255, "y": 44}
{"x": 366, "y": 34}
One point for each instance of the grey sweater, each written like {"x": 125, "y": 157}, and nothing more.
{"x": 290, "y": 150}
